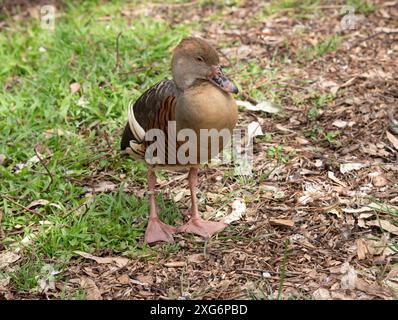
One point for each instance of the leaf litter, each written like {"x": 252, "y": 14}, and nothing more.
{"x": 342, "y": 237}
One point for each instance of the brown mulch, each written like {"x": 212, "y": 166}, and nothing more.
{"x": 307, "y": 220}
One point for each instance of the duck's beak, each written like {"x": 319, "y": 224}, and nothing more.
{"x": 217, "y": 77}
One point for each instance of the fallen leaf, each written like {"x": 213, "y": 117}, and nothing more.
{"x": 7, "y": 258}
{"x": 181, "y": 194}
{"x": 264, "y": 106}
{"x": 332, "y": 177}
{"x": 19, "y": 166}
{"x": 385, "y": 225}
{"x": 74, "y": 87}
{"x": 379, "y": 181}
{"x": 347, "y": 167}
{"x": 349, "y": 278}
{"x": 36, "y": 203}
{"x": 394, "y": 200}
{"x": 336, "y": 212}
{"x": 376, "y": 247}
{"x": 93, "y": 293}
{"x": 393, "y": 272}
{"x": 2, "y": 159}
{"x": 238, "y": 210}
{"x": 145, "y": 280}
{"x": 42, "y": 202}
{"x": 372, "y": 289}
{"x": 281, "y": 222}
{"x": 359, "y": 210}
{"x": 196, "y": 258}
{"x": 284, "y": 129}
{"x": 119, "y": 261}
{"x": 49, "y": 133}
{"x": 301, "y": 140}
{"x": 328, "y": 84}
{"x": 254, "y": 129}
{"x": 124, "y": 279}
{"x": 46, "y": 279}
{"x": 175, "y": 264}
{"x": 337, "y": 295}
{"x": 103, "y": 186}
{"x": 393, "y": 139}
{"x": 373, "y": 150}
{"x": 4, "y": 282}
{"x": 321, "y": 294}
{"x": 362, "y": 250}
{"x": 340, "y": 123}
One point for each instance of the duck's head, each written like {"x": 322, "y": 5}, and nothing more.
{"x": 195, "y": 59}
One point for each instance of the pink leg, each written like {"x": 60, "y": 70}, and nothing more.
{"x": 156, "y": 230}
{"x": 196, "y": 224}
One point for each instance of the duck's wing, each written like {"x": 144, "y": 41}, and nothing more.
{"x": 153, "y": 110}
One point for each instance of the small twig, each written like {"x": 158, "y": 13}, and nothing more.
{"x": 249, "y": 98}
{"x": 356, "y": 44}
{"x": 45, "y": 167}
{"x": 17, "y": 204}
{"x": 117, "y": 65}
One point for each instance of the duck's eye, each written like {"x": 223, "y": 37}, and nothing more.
{"x": 199, "y": 59}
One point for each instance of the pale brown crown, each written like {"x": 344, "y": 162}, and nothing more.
{"x": 197, "y": 47}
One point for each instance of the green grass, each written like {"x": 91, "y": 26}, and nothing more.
{"x": 361, "y": 6}
{"x": 37, "y": 98}
{"x": 326, "y": 45}
{"x": 36, "y": 101}
{"x": 291, "y": 6}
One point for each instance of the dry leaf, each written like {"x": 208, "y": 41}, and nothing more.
{"x": 264, "y": 106}
{"x": 7, "y": 258}
{"x": 145, "y": 280}
{"x": 332, "y": 177}
{"x": 349, "y": 278}
{"x": 4, "y": 282}
{"x": 74, "y": 87}
{"x": 36, "y": 203}
{"x": 385, "y": 225}
{"x": 175, "y": 264}
{"x": 46, "y": 279}
{"x": 103, "y": 186}
{"x": 254, "y": 130}
{"x": 19, "y": 166}
{"x": 340, "y": 123}
{"x": 359, "y": 210}
{"x": 93, "y": 293}
{"x": 181, "y": 194}
{"x": 372, "y": 289}
{"x": 49, "y": 133}
{"x": 347, "y": 167}
{"x": 2, "y": 159}
{"x": 301, "y": 140}
{"x": 284, "y": 129}
{"x": 362, "y": 250}
{"x": 393, "y": 272}
{"x": 42, "y": 202}
{"x": 124, "y": 279}
{"x": 196, "y": 258}
{"x": 376, "y": 247}
{"x": 321, "y": 294}
{"x": 238, "y": 210}
{"x": 119, "y": 261}
{"x": 379, "y": 181}
{"x": 328, "y": 84}
{"x": 393, "y": 139}
{"x": 282, "y": 222}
